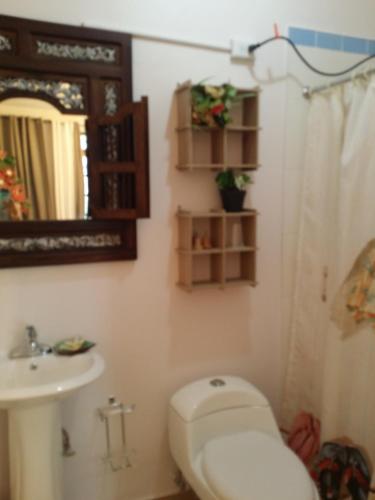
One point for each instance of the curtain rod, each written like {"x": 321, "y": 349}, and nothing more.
{"x": 307, "y": 92}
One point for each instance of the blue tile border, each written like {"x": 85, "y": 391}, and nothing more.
{"x": 371, "y": 47}
{"x": 356, "y": 45}
{"x": 302, "y": 37}
{"x": 331, "y": 41}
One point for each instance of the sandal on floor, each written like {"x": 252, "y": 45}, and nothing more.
{"x": 329, "y": 470}
{"x": 357, "y": 475}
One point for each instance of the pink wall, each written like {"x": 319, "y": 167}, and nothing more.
{"x": 154, "y": 336}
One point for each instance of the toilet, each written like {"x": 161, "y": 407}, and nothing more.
{"x": 226, "y": 443}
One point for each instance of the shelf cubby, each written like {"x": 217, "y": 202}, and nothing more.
{"x": 200, "y": 147}
{"x": 244, "y": 113}
{"x": 207, "y": 270}
{"x": 209, "y": 224}
{"x": 241, "y": 149}
{"x": 200, "y": 270}
{"x": 240, "y": 230}
{"x": 239, "y": 267}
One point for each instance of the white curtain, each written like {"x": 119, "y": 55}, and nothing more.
{"x": 329, "y": 374}
{"x": 68, "y": 170}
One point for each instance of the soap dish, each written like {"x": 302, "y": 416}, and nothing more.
{"x": 69, "y": 347}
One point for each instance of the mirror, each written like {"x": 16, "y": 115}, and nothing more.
{"x": 83, "y": 73}
{"x": 43, "y": 162}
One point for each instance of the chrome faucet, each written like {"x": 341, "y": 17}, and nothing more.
{"x": 30, "y": 346}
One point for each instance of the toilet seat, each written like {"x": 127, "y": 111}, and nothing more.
{"x": 254, "y": 466}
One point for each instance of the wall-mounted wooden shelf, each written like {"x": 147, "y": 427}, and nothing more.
{"x": 215, "y": 148}
{"x": 225, "y": 255}
{"x": 231, "y": 258}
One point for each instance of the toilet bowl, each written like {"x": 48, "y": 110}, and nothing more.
{"x": 225, "y": 441}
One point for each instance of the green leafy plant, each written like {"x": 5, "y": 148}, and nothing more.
{"x": 211, "y": 104}
{"x": 228, "y": 179}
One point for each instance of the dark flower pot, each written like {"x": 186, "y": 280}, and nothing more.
{"x": 232, "y": 199}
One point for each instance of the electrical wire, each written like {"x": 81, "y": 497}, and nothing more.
{"x": 254, "y": 47}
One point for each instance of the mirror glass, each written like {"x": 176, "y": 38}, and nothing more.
{"x": 43, "y": 162}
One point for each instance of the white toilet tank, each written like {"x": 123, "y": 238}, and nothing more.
{"x": 212, "y": 407}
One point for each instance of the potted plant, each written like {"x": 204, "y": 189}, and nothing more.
{"x": 232, "y": 187}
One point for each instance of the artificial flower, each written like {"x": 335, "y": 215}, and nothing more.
{"x": 216, "y": 110}
{"x": 18, "y": 193}
{"x": 16, "y": 203}
{"x": 2, "y": 181}
{"x": 215, "y": 92}
{"x": 210, "y": 105}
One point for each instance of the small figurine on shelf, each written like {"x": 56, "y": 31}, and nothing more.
{"x": 197, "y": 242}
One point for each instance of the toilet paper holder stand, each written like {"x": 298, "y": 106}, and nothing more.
{"x": 117, "y": 460}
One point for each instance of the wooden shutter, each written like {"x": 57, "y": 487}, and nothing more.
{"x": 118, "y": 163}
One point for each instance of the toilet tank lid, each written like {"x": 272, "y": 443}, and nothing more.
{"x": 213, "y": 394}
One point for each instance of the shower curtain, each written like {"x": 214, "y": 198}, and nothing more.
{"x": 331, "y": 374}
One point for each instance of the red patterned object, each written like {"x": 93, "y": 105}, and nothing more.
{"x": 16, "y": 205}
{"x": 304, "y": 436}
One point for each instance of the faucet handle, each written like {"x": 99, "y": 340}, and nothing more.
{"x": 30, "y": 346}
{"x": 31, "y": 333}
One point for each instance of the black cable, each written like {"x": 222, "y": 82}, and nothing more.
{"x": 256, "y": 46}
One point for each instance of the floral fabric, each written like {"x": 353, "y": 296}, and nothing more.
{"x": 354, "y": 305}
{"x": 361, "y": 300}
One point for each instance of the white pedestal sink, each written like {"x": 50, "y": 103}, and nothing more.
{"x": 31, "y": 390}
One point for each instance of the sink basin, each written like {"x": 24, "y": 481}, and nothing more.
{"x": 33, "y": 380}
{"x": 31, "y": 390}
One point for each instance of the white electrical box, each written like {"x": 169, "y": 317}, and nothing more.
{"x": 240, "y": 49}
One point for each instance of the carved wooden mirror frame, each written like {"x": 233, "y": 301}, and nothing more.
{"x": 81, "y": 71}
